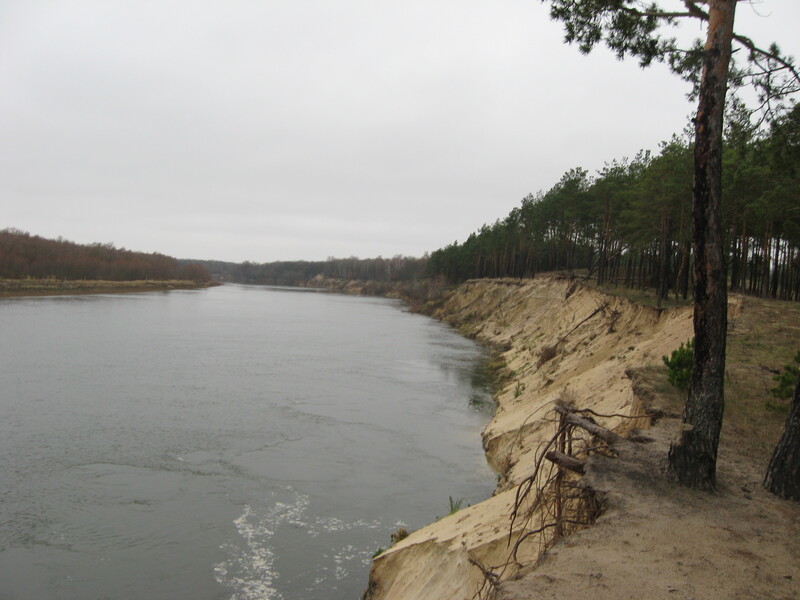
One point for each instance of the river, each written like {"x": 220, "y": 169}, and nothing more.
{"x": 238, "y": 442}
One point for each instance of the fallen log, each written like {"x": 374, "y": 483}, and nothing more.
{"x": 566, "y": 461}
{"x": 596, "y": 430}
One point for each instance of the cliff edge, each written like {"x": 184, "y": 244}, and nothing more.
{"x": 567, "y": 344}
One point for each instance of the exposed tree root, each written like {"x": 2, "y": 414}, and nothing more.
{"x": 553, "y": 502}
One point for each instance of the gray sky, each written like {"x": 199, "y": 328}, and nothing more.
{"x": 300, "y": 129}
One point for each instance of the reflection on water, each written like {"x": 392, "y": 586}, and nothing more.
{"x": 236, "y": 442}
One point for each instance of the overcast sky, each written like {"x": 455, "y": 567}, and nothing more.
{"x": 269, "y": 130}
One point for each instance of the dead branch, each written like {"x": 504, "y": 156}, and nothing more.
{"x": 492, "y": 578}
{"x": 599, "y": 309}
{"x": 608, "y": 416}
{"x": 596, "y": 430}
{"x": 566, "y": 461}
{"x": 547, "y": 353}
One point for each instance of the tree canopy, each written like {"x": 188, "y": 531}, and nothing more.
{"x": 630, "y": 223}
{"x": 634, "y": 28}
{"x": 24, "y": 255}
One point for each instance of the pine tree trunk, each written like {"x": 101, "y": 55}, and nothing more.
{"x": 745, "y": 250}
{"x": 783, "y": 472}
{"x": 765, "y": 273}
{"x": 693, "y": 457}
{"x": 665, "y": 258}
{"x": 776, "y": 272}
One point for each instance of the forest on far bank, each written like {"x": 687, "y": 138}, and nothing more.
{"x": 301, "y": 272}
{"x": 23, "y": 255}
{"x": 631, "y": 223}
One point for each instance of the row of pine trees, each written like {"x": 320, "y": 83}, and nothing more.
{"x": 630, "y": 224}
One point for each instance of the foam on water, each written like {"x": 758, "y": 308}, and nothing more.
{"x": 251, "y": 570}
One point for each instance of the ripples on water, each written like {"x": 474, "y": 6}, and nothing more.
{"x": 236, "y": 442}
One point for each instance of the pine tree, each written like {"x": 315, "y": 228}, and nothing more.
{"x": 631, "y": 29}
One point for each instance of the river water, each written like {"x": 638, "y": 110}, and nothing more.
{"x": 232, "y": 443}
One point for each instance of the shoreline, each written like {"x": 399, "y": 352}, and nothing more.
{"x": 550, "y": 344}
{"x": 560, "y": 342}
{"x": 18, "y": 288}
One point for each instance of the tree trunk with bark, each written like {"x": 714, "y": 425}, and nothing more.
{"x": 783, "y": 472}
{"x": 693, "y": 457}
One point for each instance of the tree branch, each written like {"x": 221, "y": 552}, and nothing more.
{"x": 657, "y": 14}
{"x": 596, "y": 430}
{"x": 566, "y": 461}
{"x": 693, "y": 10}
{"x": 748, "y": 43}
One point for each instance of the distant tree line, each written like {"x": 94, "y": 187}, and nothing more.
{"x": 631, "y": 223}
{"x": 397, "y": 268}
{"x": 24, "y": 255}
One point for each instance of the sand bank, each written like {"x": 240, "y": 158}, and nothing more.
{"x": 565, "y": 343}
{"x": 53, "y": 287}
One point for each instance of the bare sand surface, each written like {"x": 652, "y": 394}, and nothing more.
{"x": 661, "y": 541}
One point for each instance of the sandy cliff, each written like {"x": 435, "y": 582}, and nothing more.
{"x": 569, "y": 344}
{"x": 563, "y": 341}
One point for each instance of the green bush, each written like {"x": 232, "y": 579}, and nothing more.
{"x": 787, "y": 380}
{"x": 679, "y": 365}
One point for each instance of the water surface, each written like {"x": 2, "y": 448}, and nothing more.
{"x": 231, "y": 443}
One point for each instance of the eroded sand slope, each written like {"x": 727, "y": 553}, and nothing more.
{"x": 563, "y": 342}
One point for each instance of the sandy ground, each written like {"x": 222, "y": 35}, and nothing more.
{"x": 659, "y": 540}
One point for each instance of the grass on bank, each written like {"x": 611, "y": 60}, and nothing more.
{"x": 762, "y": 339}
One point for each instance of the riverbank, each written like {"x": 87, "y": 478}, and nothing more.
{"x": 567, "y": 344}
{"x": 415, "y": 294}
{"x": 51, "y": 287}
